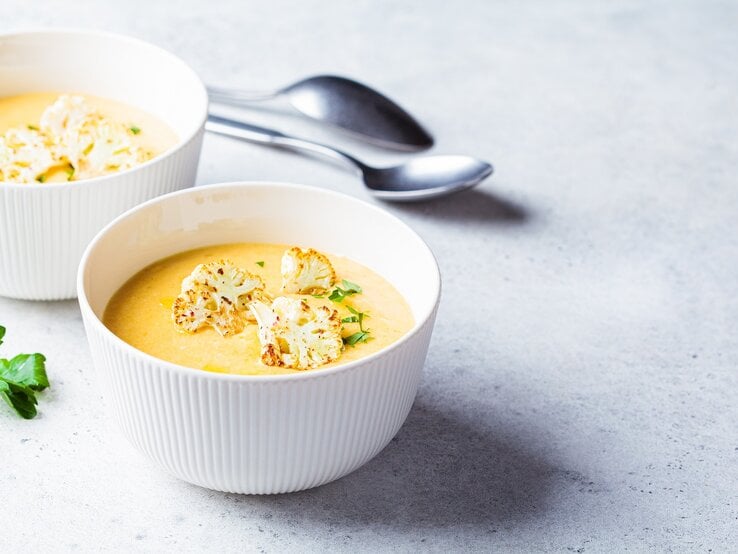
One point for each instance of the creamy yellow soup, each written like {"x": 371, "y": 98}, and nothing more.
{"x": 147, "y": 132}
{"x": 140, "y": 313}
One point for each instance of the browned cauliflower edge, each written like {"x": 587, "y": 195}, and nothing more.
{"x": 294, "y": 335}
{"x": 216, "y": 294}
{"x": 306, "y": 271}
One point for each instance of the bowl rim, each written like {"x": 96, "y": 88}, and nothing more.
{"x": 91, "y": 318}
{"x": 103, "y": 179}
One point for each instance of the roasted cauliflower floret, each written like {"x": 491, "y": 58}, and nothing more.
{"x": 294, "y": 335}
{"x": 216, "y": 294}
{"x": 306, "y": 272}
{"x": 72, "y": 141}
{"x": 25, "y": 155}
{"x": 92, "y": 143}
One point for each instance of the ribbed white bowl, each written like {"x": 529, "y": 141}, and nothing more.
{"x": 44, "y": 228}
{"x": 259, "y": 434}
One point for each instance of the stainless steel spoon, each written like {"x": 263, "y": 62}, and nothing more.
{"x": 418, "y": 179}
{"x": 344, "y": 103}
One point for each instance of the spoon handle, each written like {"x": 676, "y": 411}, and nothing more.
{"x": 236, "y": 97}
{"x": 241, "y": 130}
{"x": 271, "y": 137}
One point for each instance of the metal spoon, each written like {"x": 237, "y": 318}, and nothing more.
{"x": 347, "y": 104}
{"x": 419, "y": 179}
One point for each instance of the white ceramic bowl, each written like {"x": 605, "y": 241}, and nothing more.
{"x": 259, "y": 434}
{"x": 44, "y": 228}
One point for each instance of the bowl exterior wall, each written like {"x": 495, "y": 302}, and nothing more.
{"x": 247, "y": 436}
{"x": 44, "y": 230}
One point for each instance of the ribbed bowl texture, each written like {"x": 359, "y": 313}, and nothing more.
{"x": 259, "y": 434}
{"x": 44, "y": 228}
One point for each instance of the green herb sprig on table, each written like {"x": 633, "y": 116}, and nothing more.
{"x": 21, "y": 378}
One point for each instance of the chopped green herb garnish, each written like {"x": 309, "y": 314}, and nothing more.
{"x": 260, "y": 264}
{"x": 361, "y": 336}
{"x": 318, "y": 295}
{"x": 135, "y": 130}
{"x": 70, "y": 172}
{"x": 357, "y": 317}
{"x": 337, "y": 295}
{"x": 32, "y": 127}
{"x": 351, "y": 287}
{"x": 348, "y": 289}
{"x": 20, "y": 379}
{"x": 41, "y": 178}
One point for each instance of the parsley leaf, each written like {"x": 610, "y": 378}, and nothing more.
{"x": 20, "y": 398}
{"x": 260, "y": 264}
{"x": 361, "y": 336}
{"x": 357, "y": 317}
{"x": 348, "y": 289}
{"x": 27, "y": 370}
{"x": 20, "y": 378}
{"x": 135, "y": 130}
{"x": 32, "y": 127}
{"x": 351, "y": 288}
{"x": 337, "y": 295}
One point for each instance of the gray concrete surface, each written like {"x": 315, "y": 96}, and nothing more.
{"x": 580, "y": 392}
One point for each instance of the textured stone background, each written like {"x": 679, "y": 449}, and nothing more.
{"x": 580, "y": 392}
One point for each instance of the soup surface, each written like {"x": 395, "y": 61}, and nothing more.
{"x": 108, "y": 136}
{"x": 140, "y": 313}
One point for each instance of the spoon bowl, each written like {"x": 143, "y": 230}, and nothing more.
{"x": 426, "y": 177}
{"x": 345, "y": 104}
{"x": 418, "y": 179}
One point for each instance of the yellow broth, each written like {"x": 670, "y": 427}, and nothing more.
{"x": 140, "y": 313}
